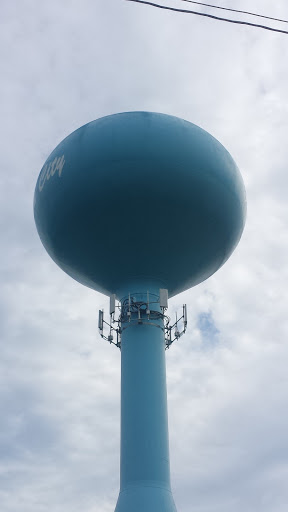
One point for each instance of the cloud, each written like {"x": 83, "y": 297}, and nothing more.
{"x": 63, "y": 65}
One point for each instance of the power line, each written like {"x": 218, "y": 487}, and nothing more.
{"x": 208, "y": 16}
{"x": 236, "y": 10}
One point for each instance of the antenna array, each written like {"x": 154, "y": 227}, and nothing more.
{"x": 132, "y": 310}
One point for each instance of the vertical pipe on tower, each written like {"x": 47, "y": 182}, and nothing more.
{"x": 144, "y": 467}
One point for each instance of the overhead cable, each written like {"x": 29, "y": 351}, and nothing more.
{"x": 238, "y": 22}
{"x": 236, "y": 10}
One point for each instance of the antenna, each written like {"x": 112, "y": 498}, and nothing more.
{"x": 148, "y": 310}
{"x": 163, "y": 298}
{"x": 129, "y": 307}
{"x": 100, "y": 320}
{"x": 132, "y": 160}
{"x": 185, "y": 315}
{"x": 112, "y": 304}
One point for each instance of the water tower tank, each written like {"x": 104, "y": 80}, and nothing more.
{"x": 141, "y": 196}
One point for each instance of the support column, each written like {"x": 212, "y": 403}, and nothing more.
{"x": 144, "y": 468}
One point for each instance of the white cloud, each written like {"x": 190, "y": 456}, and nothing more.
{"x": 63, "y": 65}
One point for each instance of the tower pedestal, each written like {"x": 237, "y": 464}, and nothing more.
{"x": 145, "y": 467}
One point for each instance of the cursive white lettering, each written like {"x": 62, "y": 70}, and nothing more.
{"x": 50, "y": 169}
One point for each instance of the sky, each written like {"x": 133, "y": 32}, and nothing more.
{"x": 64, "y": 64}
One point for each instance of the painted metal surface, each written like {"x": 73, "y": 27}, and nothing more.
{"x": 144, "y": 468}
{"x": 132, "y": 203}
{"x": 156, "y": 193}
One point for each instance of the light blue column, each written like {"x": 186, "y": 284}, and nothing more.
{"x": 145, "y": 470}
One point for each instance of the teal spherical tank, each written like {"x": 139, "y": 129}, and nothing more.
{"x": 140, "y": 197}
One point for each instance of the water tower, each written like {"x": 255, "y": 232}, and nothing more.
{"x": 140, "y": 206}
